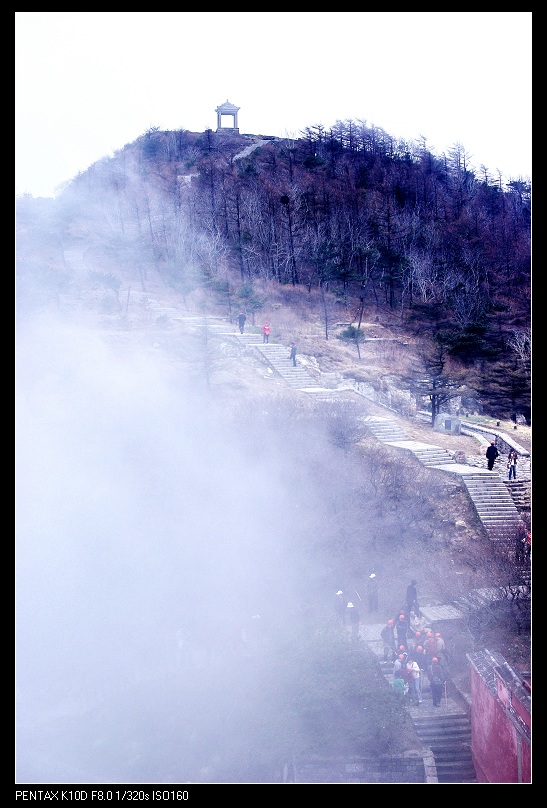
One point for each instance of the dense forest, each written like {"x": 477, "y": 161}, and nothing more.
{"x": 371, "y": 222}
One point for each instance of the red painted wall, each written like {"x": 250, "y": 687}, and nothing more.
{"x": 495, "y": 740}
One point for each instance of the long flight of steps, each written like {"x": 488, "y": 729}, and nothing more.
{"x": 490, "y": 494}
{"x": 520, "y": 492}
{"x": 449, "y": 738}
{"x": 386, "y": 430}
{"x": 494, "y": 505}
{"x": 426, "y": 453}
{"x": 445, "y": 730}
{"x": 277, "y": 357}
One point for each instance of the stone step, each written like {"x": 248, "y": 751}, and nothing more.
{"x": 448, "y": 745}
{"x": 449, "y": 738}
{"x": 486, "y": 482}
{"x": 452, "y": 720}
{"x": 497, "y": 507}
{"x": 458, "y": 774}
{"x": 449, "y": 750}
{"x": 277, "y": 357}
{"x": 488, "y": 490}
{"x": 499, "y": 504}
{"x": 491, "y": 496}
{"x": 485, "y": 496}
{"x": 384, "y": 429}
{"x": 490, "y": 521}
{"x": 430, "y": 457}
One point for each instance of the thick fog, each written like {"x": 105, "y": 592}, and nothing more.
{"x": 150, "y": 533}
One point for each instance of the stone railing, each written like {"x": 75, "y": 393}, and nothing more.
{"x": 504, "y": 442}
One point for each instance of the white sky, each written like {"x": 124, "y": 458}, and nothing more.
{"x": 87, "y": 83}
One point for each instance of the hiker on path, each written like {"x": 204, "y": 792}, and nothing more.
{"x": 421, "y": 657}
{"x": 437, "y": 679}
{"x": 399, "y": 686}
{"x": 417, "y": 621}
{"x": 401, "y": 627}
{"x": 399, "y": 665}
{"x": 430, "y": 645}
{"x": 388, "y": 638}
{"x": 372, "y": 592}
{"x": 491, "y": 454}
{"x": 353, "y": 619}
{"x": 241, "y": 317}
{"x": 340, "y": 606}
{"x": 520, "y": 548}
{"x": 265, "y": 332}
{"x": 411, "y": 598}
{"x": 528, "y": 542}
{"x": 439, "y": 644}
{"x": 292, "y": 354}
{"x": 512, "y": 461}
{"x": 414, "y": 679}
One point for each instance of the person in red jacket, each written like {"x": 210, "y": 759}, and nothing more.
{"x": 266, "y": 332}
{"x": 430, "y": 645}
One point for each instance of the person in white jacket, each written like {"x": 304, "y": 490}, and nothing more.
{"x": 414, "y": 679}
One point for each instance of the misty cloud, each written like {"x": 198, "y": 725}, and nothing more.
{"x": 141, "y": 512}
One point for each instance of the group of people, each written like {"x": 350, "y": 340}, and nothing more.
{"x": 266, "y": 330}
{"x": 415, "y": 650}
{"x": 347, "y": 610}
{"x": 415, "y": 654}
{"x": 348, "y": 613}
{"x": 241, "y": 320}
{"x": 492, "y": 454}
{"x": 408, "y": 675}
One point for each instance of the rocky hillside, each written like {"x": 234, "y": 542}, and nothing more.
{"x": 158, "y": 321}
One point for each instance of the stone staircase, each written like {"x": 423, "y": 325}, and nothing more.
{"x": 445, "y": 731}
{"x": 384, "y": 769}
{"x": 386, "y": 430}
{"x": 520, "y": 493}
{"x": 426, "y": 453}
{"x": 494, "y": 505}
{"x": 449, "y": 738}
{"x": 277, "y": 357}
{"x": 492, "y": 497}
